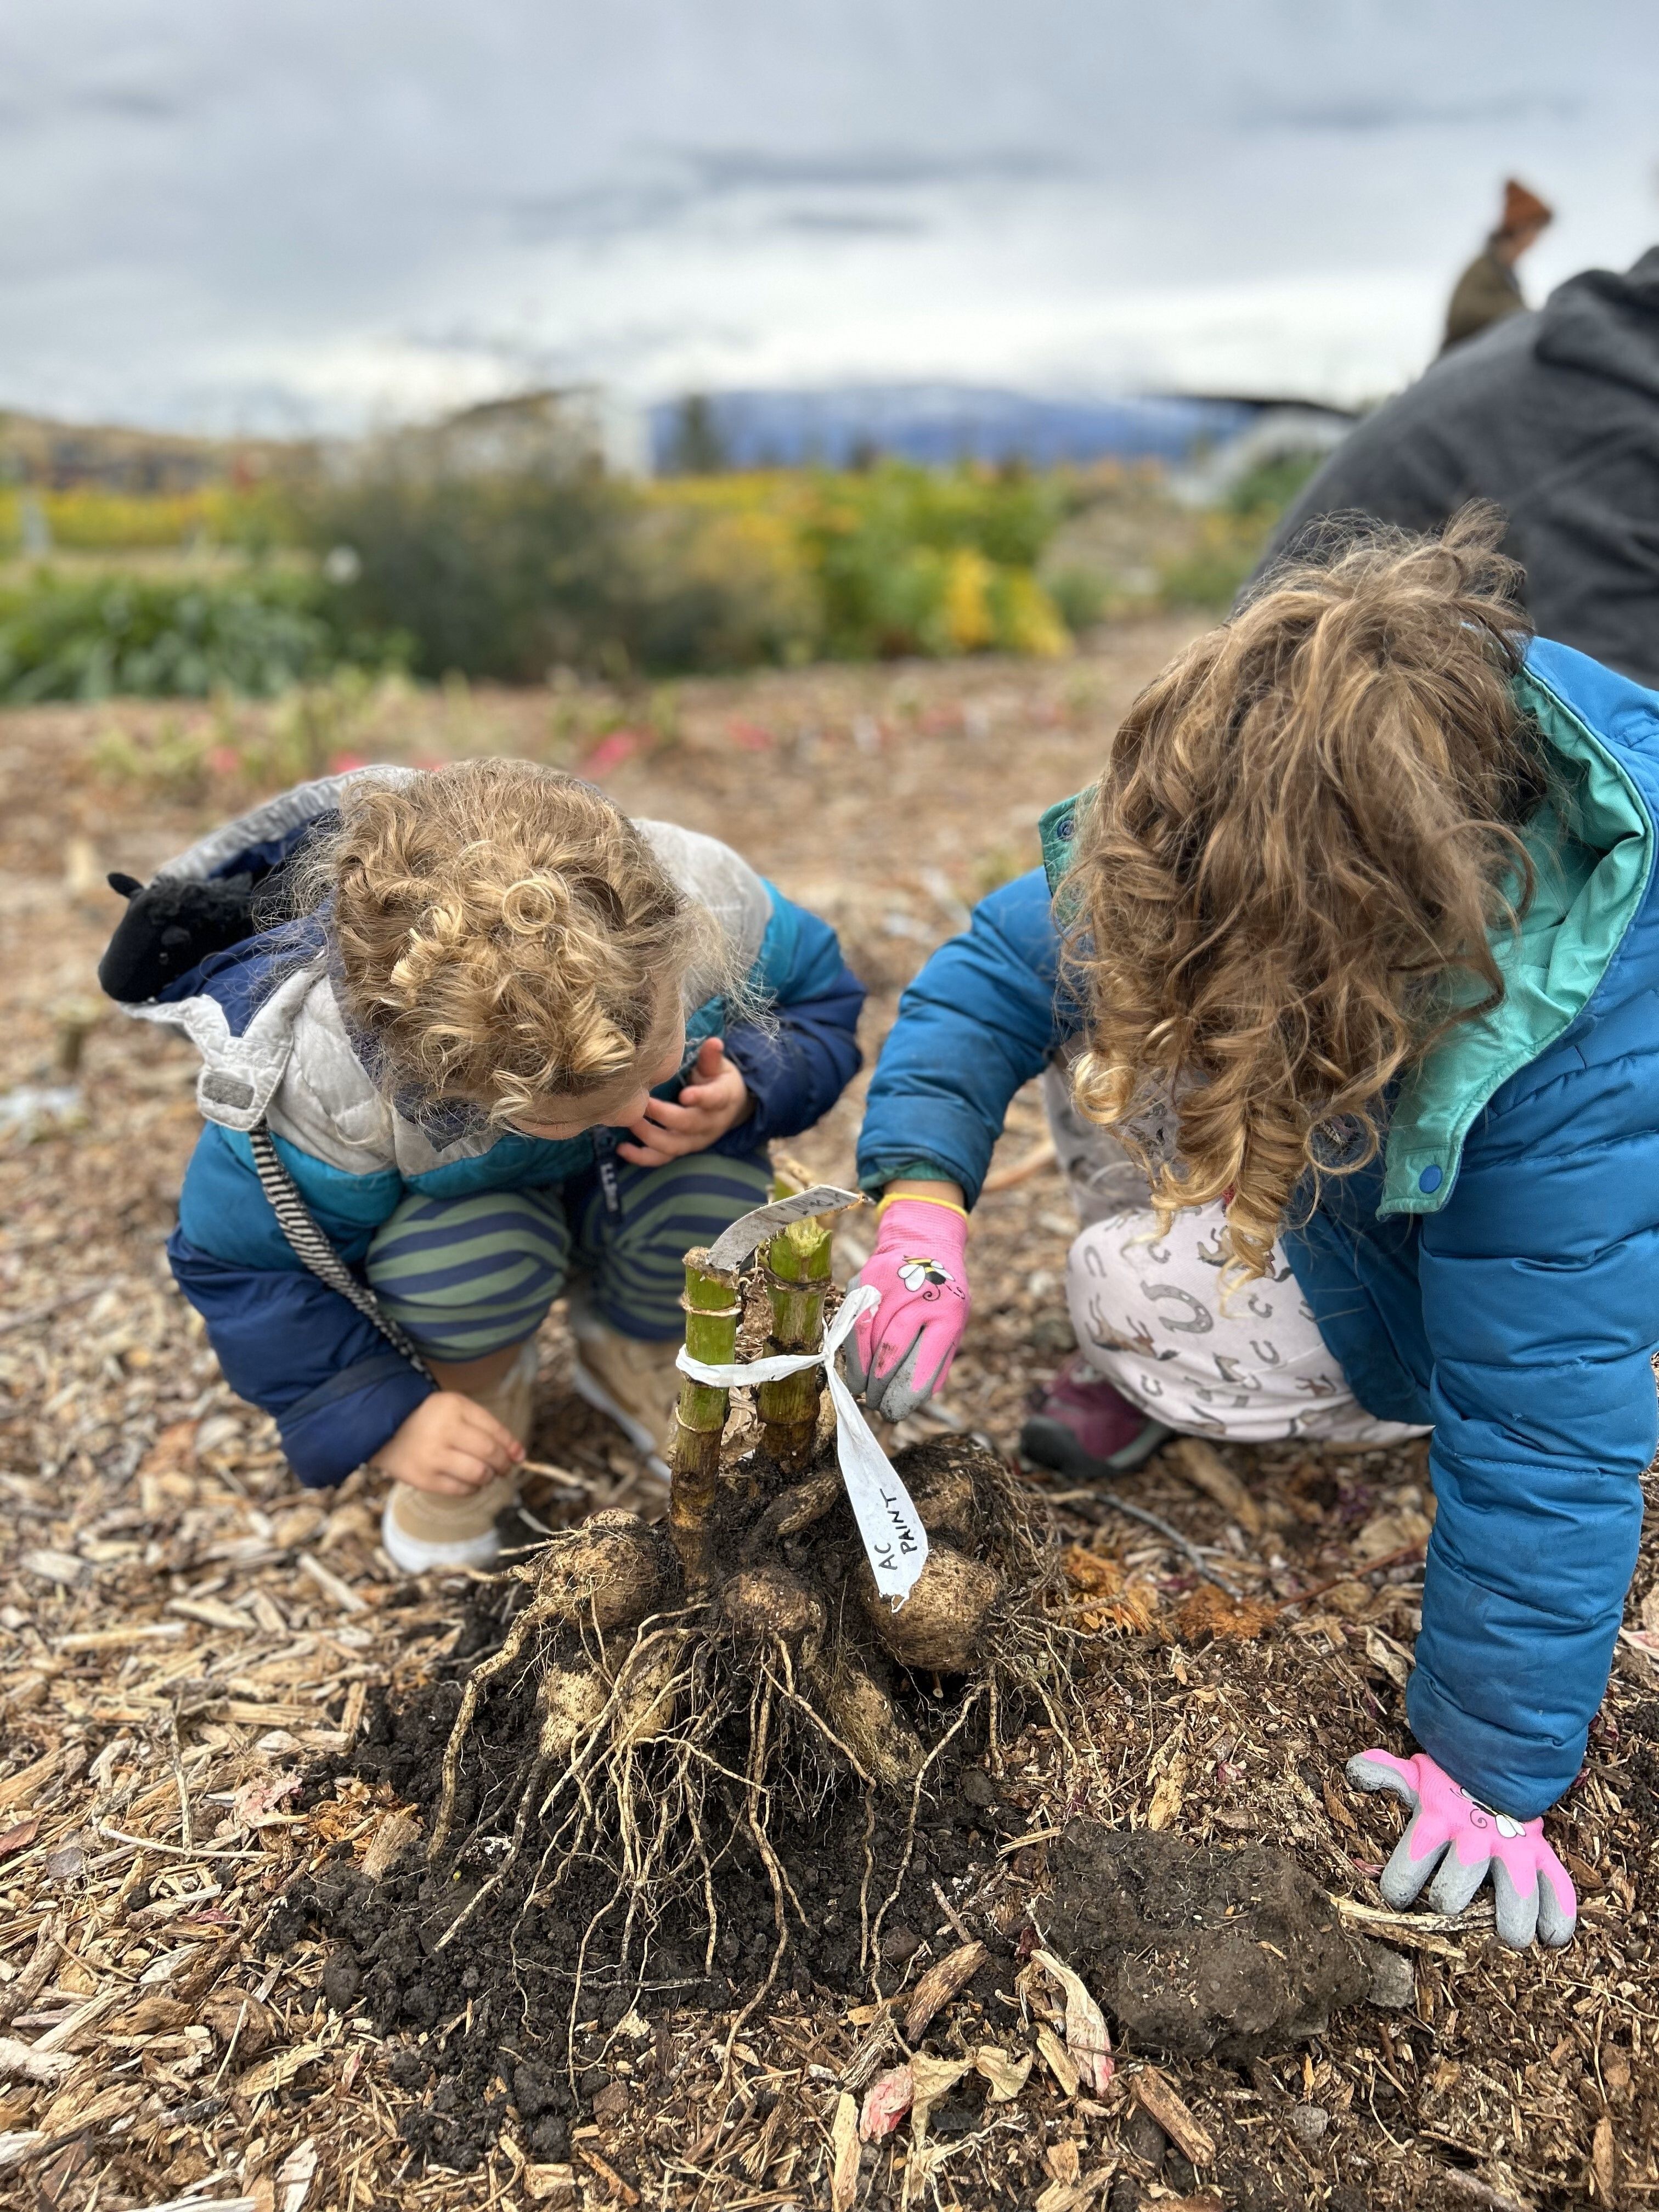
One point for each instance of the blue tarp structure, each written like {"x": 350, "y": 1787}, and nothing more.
{"x": 937, "y": 424}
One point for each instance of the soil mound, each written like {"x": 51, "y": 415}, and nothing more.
{"x": 1197, "y": 1951}
{"x": 565, "y": 1970}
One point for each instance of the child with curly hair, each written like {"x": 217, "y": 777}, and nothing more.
{"x": 1350, "y": 962}
{"x": 513, "y": 1044}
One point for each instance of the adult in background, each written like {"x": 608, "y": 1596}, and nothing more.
{"x": 1489, "y": 289}
{"x": 1554, "y": 415}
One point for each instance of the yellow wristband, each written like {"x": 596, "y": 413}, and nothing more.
{"x": 915, "y": 1197}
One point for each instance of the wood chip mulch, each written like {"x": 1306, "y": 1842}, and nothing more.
{"x": 183, "y": 1632}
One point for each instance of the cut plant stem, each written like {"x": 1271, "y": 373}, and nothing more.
{"x": 798, "y": 1275}
{"x": 713, "y": 1304}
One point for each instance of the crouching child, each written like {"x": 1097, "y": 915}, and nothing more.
{"x": 470, "y": 1039}
{"x": 1353, "y": 950}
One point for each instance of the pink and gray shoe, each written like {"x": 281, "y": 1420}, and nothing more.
{"x": 1081, "y": 1427}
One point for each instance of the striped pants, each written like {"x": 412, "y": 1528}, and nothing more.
{"x": 469, "y": 1276}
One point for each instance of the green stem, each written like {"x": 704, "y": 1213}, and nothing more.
{"x": 798, "y": 1264}
{"x": 714, "y": 1305}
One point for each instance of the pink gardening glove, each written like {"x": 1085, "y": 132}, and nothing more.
{"x": 902, "y": 1353}
{"x": 1459, "y": 1841}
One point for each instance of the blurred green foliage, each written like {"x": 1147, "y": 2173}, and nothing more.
{"x": 912, "y": 560}
{"x": 1232, "y": 538}
{"x": 502, "y": 577}
{"x": 1271, "y": 486}
{"x": 513, "y": 576}
{"x": 175, "y": 636}
{"x": 1081, "y": 596}
{"x": 697, "y": 449}
{"x": 510, "y": 576}
{"x": 1211, "y": 572}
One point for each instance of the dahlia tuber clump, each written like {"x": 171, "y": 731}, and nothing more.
{"x": 745, "y": 1637}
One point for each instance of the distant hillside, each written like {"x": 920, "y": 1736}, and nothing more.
{"x": 934, "y": 423}
{"x": 55, "y": 456}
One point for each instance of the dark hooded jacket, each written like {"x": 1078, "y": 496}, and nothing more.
{"x": 1555, "y": 414}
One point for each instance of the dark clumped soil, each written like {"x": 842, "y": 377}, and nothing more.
{"x": 501, "y": 2007}
{"x": 507, "y": 1958}
{"x": 1194, "y": 1950}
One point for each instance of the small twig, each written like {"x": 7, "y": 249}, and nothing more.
{"x": 1043, "y": 1155}
{"x": 1475, "y": 2190}
{"x": 340, "y": 1593}
{"x": 559, "y": 1474}
{"x": 172, "y": 1850}
{"x": 952, "y": 1914}
{"x": 1478, "y": 1913}
{"x": 21, "y": 1993}
{"x": 230, "y": 2048}
{"x": 1018, "y": 1842}
{"x": 1182, "y": 1544}
{"x": 1354, "y": 1573}
{"x": 175, "y": 1757}
{"x": 52, "y": 1305}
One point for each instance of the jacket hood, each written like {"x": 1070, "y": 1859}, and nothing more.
{"x": 253, "y": 1008}
{"x": 1607, "y": 324}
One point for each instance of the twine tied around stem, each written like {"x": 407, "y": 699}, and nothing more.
{"x": 889, "y": 1527}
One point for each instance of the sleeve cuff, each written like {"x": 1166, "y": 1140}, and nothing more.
{"x": 335, "y": 1428}
{"x": 875, "y": 1180}
{"x": 1510, "y": 1772}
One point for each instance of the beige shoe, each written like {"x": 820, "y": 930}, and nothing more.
{"x": 635, "y": 1382}
{"x": 421, "y": 1530}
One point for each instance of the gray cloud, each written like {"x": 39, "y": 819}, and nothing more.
{"x": 130, "y": 103}
{"x": 752, "y": 169}
{"x": 283, "y": 212}
{"x": 849, "y": 222}
{"x": 785, "y": 184}
{"x": 600, "y": 212}
{"x": 1409, "y": 113}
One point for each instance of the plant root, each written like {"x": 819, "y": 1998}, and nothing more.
{"x": 670, "y": 1728}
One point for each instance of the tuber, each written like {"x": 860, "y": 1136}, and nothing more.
{"x": 613, "y": 1569}
{"x": 937, "y": 1628}
{"x": 761, "y": 1603}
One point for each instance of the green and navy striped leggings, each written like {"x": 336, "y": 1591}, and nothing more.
{"x": 468, "y": 1276}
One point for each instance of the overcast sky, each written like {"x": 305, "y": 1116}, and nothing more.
{"x": 302, "y": 214}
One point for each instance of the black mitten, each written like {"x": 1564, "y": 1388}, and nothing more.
{"x": 168, "y": 926}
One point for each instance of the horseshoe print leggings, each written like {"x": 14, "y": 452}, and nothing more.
{"x": 1152, "y": 1319}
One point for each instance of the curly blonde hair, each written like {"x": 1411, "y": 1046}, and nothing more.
{"x": 1287, "y": 877}
{"x": 502, "y": 934}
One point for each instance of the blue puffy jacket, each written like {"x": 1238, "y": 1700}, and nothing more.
{"x": 275, "y": 1050}
{"x": 1495, "y": 1274}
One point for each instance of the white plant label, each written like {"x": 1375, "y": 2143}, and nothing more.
{"x": 751, "y": 1230}
{"x": 895, "y": 1542}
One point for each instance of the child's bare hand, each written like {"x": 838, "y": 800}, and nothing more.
{"x": 449, "y": 1445}
{"x": 714, "y": 1099}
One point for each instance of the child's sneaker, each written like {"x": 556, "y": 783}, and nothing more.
{"x": 631, "y": 1378}
{"x": 1082, "y": 1427}
{"x": 421, "y": 1530}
